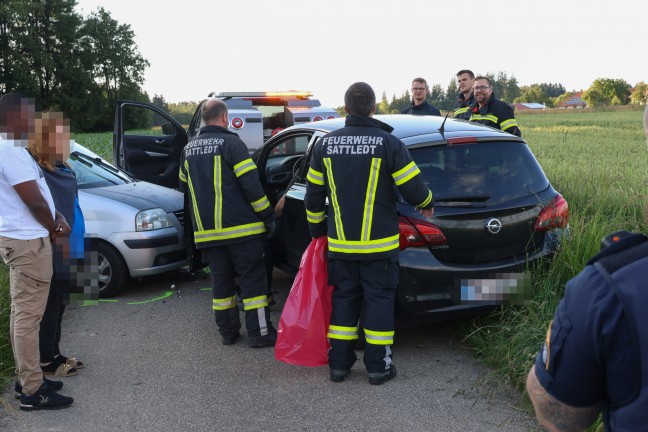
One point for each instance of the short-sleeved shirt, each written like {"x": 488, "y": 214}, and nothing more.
{"x": 16, "y": 167}
{"x": 588, "y": 352}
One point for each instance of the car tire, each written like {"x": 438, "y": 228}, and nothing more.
{"x": 112, "y": 270}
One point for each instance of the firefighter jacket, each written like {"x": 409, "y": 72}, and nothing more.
{"x": 421, "y": 109}
{"x": 356, "y": 168}
{"x": 496, "y": 114}
{"x": 226, "y": 199}
{"x": 462, "y": 107}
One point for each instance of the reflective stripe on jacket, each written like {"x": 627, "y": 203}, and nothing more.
{"x": 462, "y": 107}
{"x": 227, "y": 202}
{"x": 356, "y": 168}
{"x": 496, "y": 114}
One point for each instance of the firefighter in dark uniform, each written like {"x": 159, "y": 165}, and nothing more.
{"x": 419, "y": 105}
{"x": 490, "y": 111}
{"x": 595, "y": 356}
{"x": 356, "y": 168}
{"x": 465, "y": 81}
{"x": 231, "y": 215}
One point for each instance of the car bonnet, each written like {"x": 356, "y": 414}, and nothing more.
{"x": 142, "y": 195}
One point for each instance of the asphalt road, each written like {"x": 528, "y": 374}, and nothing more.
{"x": 157, "y": 364}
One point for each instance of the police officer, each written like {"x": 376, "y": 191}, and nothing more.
{"x": 231, "y": 215}
{"x": 465, "y": 81}
{"x": 419, "y": 105}
{"x": 356, "y": 168}
{"x": 490, "y": 111}
{"x": 595, "y": 353}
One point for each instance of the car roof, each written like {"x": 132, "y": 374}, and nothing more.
{"x": 406, "y": 126}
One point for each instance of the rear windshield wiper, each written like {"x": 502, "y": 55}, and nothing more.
{"x": 465, "y": 198}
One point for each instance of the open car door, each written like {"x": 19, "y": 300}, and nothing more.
{"x": 147, "y": 143}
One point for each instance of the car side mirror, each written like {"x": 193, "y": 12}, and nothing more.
{"x": 168, "y": 129}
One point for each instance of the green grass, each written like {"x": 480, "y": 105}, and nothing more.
{"x": 6, "y": 355}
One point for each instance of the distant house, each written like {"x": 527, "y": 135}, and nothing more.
{"x": 528, "y": 105}
{"x": 574, "y": 101}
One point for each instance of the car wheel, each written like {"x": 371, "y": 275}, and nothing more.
{"x": 112, "y": 270}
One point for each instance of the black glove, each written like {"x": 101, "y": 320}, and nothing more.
{"x": 270, "y": 228}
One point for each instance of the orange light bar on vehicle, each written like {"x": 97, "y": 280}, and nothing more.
{"x": 462, "y": 140}
{"x": 288, "y": 93}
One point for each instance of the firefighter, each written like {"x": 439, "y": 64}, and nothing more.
{"x": 362, "y": 226}
{"x": 465, "y": 81}
{"x": 231, "y": 215}
{"x": 594, "y": 357}
{"x": 490, "y": 111}
{"x": 419, "y": 105}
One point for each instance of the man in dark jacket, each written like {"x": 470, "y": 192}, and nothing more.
{"x": 362, "y": 226}
{"x": 419, "y": 105}
{"x": 465, "y": 82}
{"x": 490, "y": 111}
{"x": 231, "y": 216}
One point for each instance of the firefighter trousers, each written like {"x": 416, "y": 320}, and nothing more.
{"x": 245, "y": 261}
{"x": 373, "y": 281}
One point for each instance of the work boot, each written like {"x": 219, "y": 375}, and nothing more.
{"x": 338, "y": 375}
{"x": 231, "y": 339}
{"x": 44, "y": 398}
{"x": 378, "y": 379}
{"x": 264, "y": 341}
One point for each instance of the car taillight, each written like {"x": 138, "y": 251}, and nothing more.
{"x": 330, "y": 117}
{"x": 237, "y": 123}
{"x": 318, "y": 118}
{"x": 415, "y": 232}
{"x": 554, "y": 215}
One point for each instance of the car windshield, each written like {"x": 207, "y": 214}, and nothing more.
{"x": 93, "y": 173}
{"x": 484, "y": 172}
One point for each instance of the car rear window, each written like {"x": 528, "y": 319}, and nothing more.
{"x": 490, "y": 172}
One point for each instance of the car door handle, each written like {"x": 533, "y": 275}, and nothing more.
{"x": 159, "y": 141}
{"x": 156, "y": 154}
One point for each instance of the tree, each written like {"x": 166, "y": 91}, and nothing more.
{"x": 607, "y": 91}
{"x": 505, "y": 88}
{"x": 159, "y": 102}
{"x": 534, "y": 93}
{"x": 116, "y": 64}
{"x": 640, "y": 94}
{"x": 383, "y": 106}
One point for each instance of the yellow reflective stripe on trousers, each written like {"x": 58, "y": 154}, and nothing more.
{"x": 196, "y": 213}
{"x": 427, "y": 200}
{"x": 379, "y": 337}
{"x": 230, "y": 233}
{"x": 342, "y": 333}
{"x": 371, "y": 246}
{"x": 218, "y": 193}
{"x": 224, "y": 303}
{"x": 315, "y": 177}
{"x": 370, "y": 198}
{"x": 508, "y": 124}
{"x": 260, "y": 204}
{"x": 460, "y": 111}
{"x": 489, "y": 117}
{"x": 243, "y": 167}
{"x": 255, "y": 302}
{"x": 337, "y": 213}
{"x": 314, "y": 217}
{"x": 406, "y": 173}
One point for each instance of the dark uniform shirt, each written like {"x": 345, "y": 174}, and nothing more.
{"x": 462, "y": 107}
{"x": 496, "y": 114}
{"x": 591, "y": 351}
{"x": 421, "y": 109}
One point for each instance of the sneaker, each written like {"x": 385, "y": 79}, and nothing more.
{"x": 264, "y": 341}
{"x": 53, "y": 385}
{"x": 232, "y": 339}
{"x": 383, "y": 378}
{"x": 44, "y": 398}
{"x": 338, "y": 375}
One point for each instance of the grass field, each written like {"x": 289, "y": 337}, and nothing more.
{"x": 597, "y": 160}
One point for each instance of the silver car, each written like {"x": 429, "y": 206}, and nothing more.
{"x": 136, "y": 227}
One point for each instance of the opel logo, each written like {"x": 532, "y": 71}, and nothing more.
{"x": 493, "y": 225}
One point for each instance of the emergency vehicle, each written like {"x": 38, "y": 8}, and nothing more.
{"x": 257, "y": 116}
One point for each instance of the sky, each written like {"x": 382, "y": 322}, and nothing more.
{"x": 197, "y": 46}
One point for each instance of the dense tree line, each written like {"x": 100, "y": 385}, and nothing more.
{"x": 76, "y": 64}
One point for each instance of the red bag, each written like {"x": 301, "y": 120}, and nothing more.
{"x": 304, "y": 321}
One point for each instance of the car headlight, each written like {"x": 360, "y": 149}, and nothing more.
{"x": 152, "y": 219}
